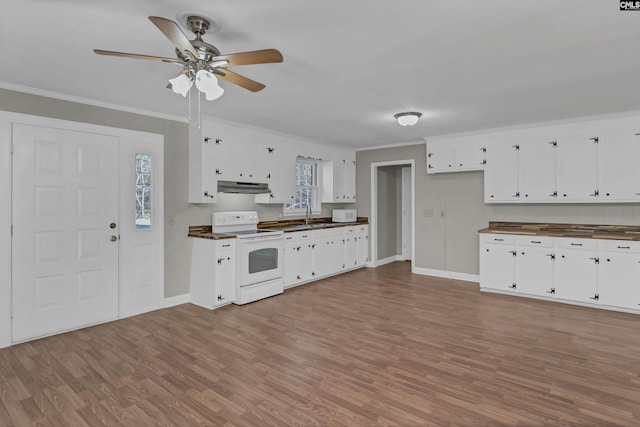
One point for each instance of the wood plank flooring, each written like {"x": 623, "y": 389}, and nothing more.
{"x": 374, "y": 347}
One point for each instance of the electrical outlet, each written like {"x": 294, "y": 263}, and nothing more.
{"x": 442, "y": 214}
{"x": 428, "y": 213}
{"x": 172, "y": 220}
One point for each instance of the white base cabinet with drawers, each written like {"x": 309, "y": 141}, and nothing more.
{"x": 595, "y": 272}
{"x": 313, "y": 254}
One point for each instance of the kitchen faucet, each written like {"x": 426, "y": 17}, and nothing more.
{"x": 306, "y": 219}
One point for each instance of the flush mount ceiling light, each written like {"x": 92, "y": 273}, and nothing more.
{"x": 409, "y": 118}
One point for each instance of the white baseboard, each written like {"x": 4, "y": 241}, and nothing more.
{"x": 389, "y": 260}
{"x": 447, "y": 274}
{"x": 176, "y": 300}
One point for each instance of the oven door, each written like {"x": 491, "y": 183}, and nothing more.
{"x": 260, "y": 259}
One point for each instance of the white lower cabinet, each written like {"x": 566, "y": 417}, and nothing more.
{"x": 314, "y": 254}
{"x": 575, "y": 277}
{"x": 619, "y": 274}
{"x": 497, "y": 262}
{"x": 597, "y": 272}
{"x": 534, "y": 265}
{"x": 213, "y": 272}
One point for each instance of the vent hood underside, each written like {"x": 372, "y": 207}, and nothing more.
{"x": 239, "y": 187}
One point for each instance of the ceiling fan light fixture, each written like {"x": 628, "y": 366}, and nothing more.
{"x": 181, "y": 84}
{"x": 207, "y": 83}
{"x": 408, "y": 118}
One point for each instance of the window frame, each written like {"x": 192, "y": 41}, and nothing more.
{"x": 316, "y": 207}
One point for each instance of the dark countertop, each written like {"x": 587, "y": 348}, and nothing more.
{"x": 204, "y": 232}
{"x": 581, "y": 231}
{"x": 292, "y": 225}
{"x": 288, "y": 226}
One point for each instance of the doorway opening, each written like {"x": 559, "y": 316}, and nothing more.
{"x": 392, "y": 211}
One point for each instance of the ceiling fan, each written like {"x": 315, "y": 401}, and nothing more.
{"x": 201, "y": 61}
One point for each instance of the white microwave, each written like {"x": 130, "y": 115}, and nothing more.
{"x": 344, "y": 215}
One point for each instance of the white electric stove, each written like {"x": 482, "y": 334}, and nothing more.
{"x": 259, "y": 255}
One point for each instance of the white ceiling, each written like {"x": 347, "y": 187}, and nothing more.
{"x": 349, "y": 65}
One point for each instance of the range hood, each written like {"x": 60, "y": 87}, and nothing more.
{"x": 239, "y": 187}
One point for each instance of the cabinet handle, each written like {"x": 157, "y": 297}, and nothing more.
{"x": 483, "y": 149}
{"x": 576, "y": 244}
{"x": 596, "y": 260}
{"x": 595, "y": 193}
{"x": 513, "y": 286}
{"x": 536, "y": 241}
{"x": 554, "y": 194}
{"x": 517, "y": 146}
{"x": 484, "y": 162}
{"x": 554, "y": 143}
{"x": 429, "y": 155}
{"x": 624, "y": 247}
{"x": 595, "y": 297}
{"x": 595, "y": 139}
{"x": 220, "y": 297}
{"x": 498, "y": 240}
{"x": 517, "y": 194}
{"x": 227, "y": 245}
{"x": 552, "y": 256}
{"x": 552, "y": 291}
{"x": 514, "y": 253}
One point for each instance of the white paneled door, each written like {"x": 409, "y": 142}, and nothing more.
{"x": 65, "y": 230}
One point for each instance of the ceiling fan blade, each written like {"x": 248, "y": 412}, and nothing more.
{"x": 239, "y": 80}
{"x": 137, "y": 56}
{"x": 173, "y": 32}
{"x": 254, "y": 57}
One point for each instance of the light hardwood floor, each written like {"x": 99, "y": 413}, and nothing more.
{"x": 367, "y": 348}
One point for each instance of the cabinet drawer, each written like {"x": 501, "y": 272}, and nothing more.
{"x": 619, "y": 246}
{"x": 225, "y": 244}
{"x": 569, "y": 243}
{"x": 504, "y": 239}
{"x": 328, "y": 232}
{"x": 297, "y": 235}
{"x": 540, "y": 241}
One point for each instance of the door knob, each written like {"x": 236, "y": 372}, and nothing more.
{"x": 113, "y": 238}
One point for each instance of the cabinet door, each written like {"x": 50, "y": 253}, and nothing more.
{"x": 280, "y": 172}
{"x": 291, "y": 267}
{"x": 618, "y": 172}
{"x": 534, "y": 271}
{"x": 576, "y": 168}
{"x": 350, "y": 179}
{"x": 575, "y": 275}
{"x": 305, "y": 259}
{"x": 501, "y": 173}
{"x": 440, "y": 157}
{"x": 362, "y": 244}
{"x": 497, "y": 267}
{"x": 225, "y": 272}
{"x": 619, "y": 279}
{"x": 470, "y": 155}
{"x": 322, "y": 256}
{"x": 350, "y": 251}
{"x": 537, "y": 171}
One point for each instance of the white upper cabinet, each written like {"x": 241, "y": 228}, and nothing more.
{"x": 203, "y": 182}
{"x": 582, "y": 162}
{"x": 537, "y": 177}
{"x": 219, "y": 151}
{"x": 576, "y": 168}
{"x": 618, "y": 171}
{"x": 456, "y": 154}
{"x": 339, "y": 178}
{"x": 501, "y": 173}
